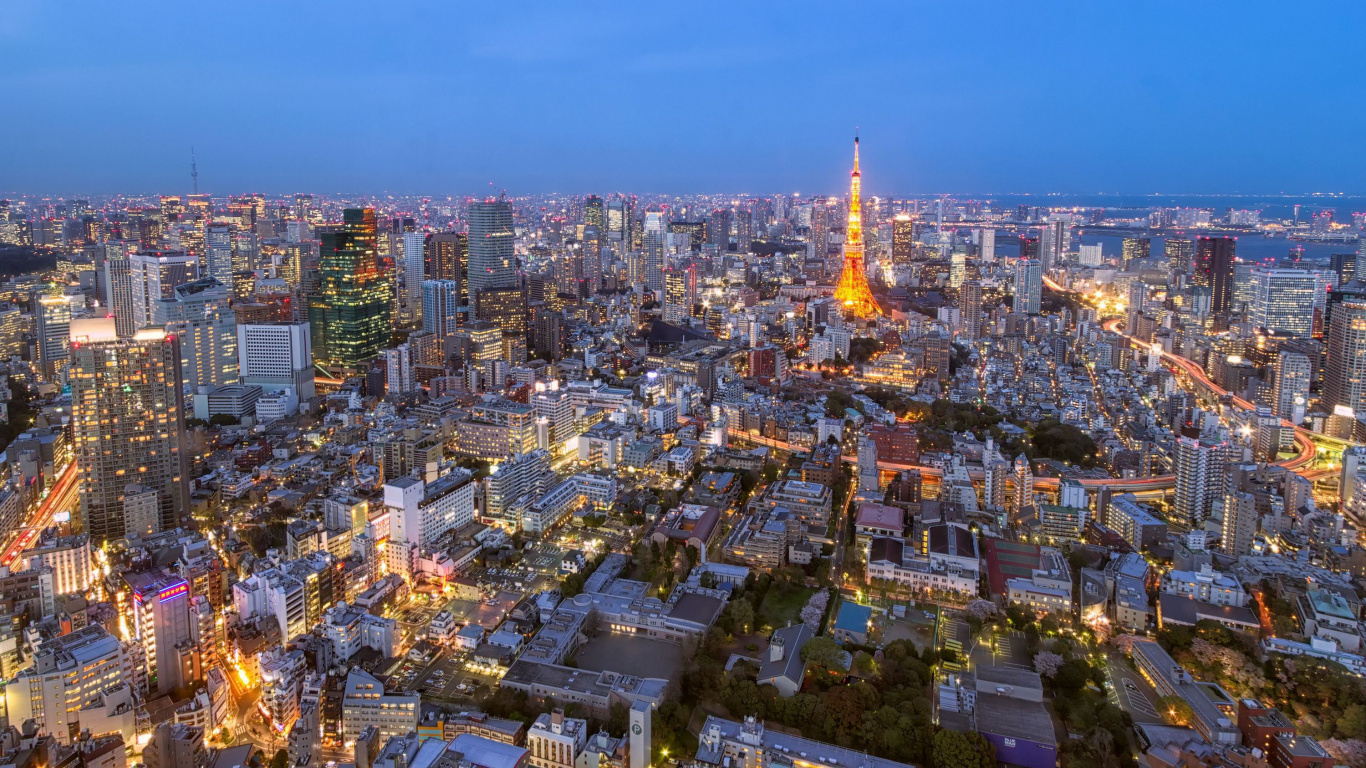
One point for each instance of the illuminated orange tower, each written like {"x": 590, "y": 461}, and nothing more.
{"x": 853, "y": 291}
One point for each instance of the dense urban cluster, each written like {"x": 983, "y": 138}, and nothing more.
{"x": 736, "y": 482}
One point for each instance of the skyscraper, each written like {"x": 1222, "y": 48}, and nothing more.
{"x": 853, "y": 291}
{"x": 1344, "y": 379}
{"x": 970, "y": 307}
{"x": 218, "y": 251}
{"x": 350, "y": 315}
{"x": 1179, "y": 252}
{"x": 986, "y": 245}
{"x": 680, "y": 293}
{"x": 1200, "y": 471}
{"x": 440, "y": 310}
{"x": 1290, "y": 389}
{"x": 54, "y": 333}
{"x": 1029, "y": 247}
{"x": 1214, "y": 270}
{"x": 1345, "y": 265}
{"x": 1055, "y": 242}
{"x": 414, "y": 272}
{"x": 277, "y": 356}
{"x": 718, "y": 229}
{"x": 654, "y": 252}
{"x": 593, "y": 211}
{"x": 1283, "y": 300}
{"x": 1028, "y": 286}
{"x": 127, "y": 422}
{"x": 491, "y": 261}
{"x": 447, "y": 258}
{"x": 153, "y": 276}
{"x": 903, "y": 238}
{"x": 197, "y": 314}
{"x": 1135, "y": 249}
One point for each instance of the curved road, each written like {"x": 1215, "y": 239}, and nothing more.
{"x": 59, "y": 497}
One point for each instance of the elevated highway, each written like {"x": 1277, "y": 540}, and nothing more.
{"x": 61, "y": 496}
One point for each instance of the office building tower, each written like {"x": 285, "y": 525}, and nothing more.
{"x": 154, "y": 276}
{"x": 718, "y": 229}
{"x": 1028, "y": 287}
{"x": 441, "y": 309}
{"x": 1214, "y": 270}
{"x": 1179, "y": 252}
{"x": 654, "y": 252}
{"x": 198, "y": 315}
{"x": 1055, "y": 242}
{"x": 218, "y": 254}
{"x": 492, "y": 262}
{"x": 414, "y": 272}
{"x": 54, "y": 335}
{"x": 590, "y": 262}
{"x": 853, "y": 291}
{"x": 986, "y": 245}
{"x": 1090, "y": 255}
{"x": 276, "y": 357}
{"x": 1290, "y": 383}
{"x": 1344, "y": 377}
{"x": 593, "y": 211}
{"x": 505, "y": 307}
{"x": 614, "y": 226}
{"x": 128, "y": 423}
{"x": 447, "y": 258}
{"x": 1133, "y": 250}
{"x": 350, "y": 314}
{"x": 82, "y": 673}
{"x": 1283, "y": 300}
{"x": 1344, "y": 265}
{"x": 868, "y": 477}
{"x": 970, "y": 308}
{"x": 695, "y": 230}
{"x": 680, "y": 293}
{"x": 12, "y": 327}
{"x": 548, "y": 336}
{"x": 1029, "y": 247}
{"x": 161, "y": 625}
{"x": 903, "y": 238}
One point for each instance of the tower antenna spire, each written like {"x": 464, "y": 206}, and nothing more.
{"x": 194, "y": 171}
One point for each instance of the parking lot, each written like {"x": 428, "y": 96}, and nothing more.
{"x": 1131, "y": 692}
{"x": 1003, "y": 649}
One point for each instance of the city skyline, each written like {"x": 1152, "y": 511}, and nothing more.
{"x": 544, "y": 99}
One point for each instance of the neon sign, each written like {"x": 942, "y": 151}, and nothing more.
{"x": 172, "y": 592}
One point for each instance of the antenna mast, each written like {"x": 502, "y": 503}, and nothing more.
{"x": 194, "y": 171}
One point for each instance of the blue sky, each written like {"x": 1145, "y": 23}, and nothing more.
{"x": 446, "y": 98}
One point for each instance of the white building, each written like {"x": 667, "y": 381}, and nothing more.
{"x": 70, "y": 678}
{"x": 1206, "y": 585}
{"x": 69, "y": 559}
{"x": 555, "y": 741}
{"x": 276, "y": 356}
{"x": 365, "y": 704}
{"x": 350, "y": 629}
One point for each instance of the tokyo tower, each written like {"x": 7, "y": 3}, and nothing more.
{"x": 853, "y": 291}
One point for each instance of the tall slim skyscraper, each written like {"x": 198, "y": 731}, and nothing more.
{"x": 447, "y": 258}
{"x": 218, "y": 254}
{"x": 903, "y": 238}
{"x": 127, "y": 423}
{"x": 680, "y": 293}
{"x": 1290, "y": 390}
{"x": 350, "y": 315}
{"x": 414, "y": 269}
{"x": 440, "y": 310}
{"x": 1055, "y": 243}
{"x": 197, "y": 314}
{"x": 970, "y": 307}
{"x": 718, "y": 229}
{"x": 54, "y": 332}
{"x": 654, "y": 251}
{"x": 1028, "y": 286}
{"x": 1200, "y": 471}
{"x": 986, "y": 245}
{"x": 1344, "y": 379}
{"x": 853, "y": 291}
{"x": 593, "y": 211}
{"x": 1214, "y": 270}
{"x": 1029, "y": 247}
{"x": 492, "y": 263}
{"x": 1179, "y": 251}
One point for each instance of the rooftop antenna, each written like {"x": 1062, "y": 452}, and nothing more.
{"x": 194, "y": 171}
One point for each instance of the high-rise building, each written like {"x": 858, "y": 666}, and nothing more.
{"x": 1344, "y": 378}
{"x": 492, "y": 263}
{"x": 218, "y": 254}
{"x": 718, "y": 229}
{"x": 276, "y": 357}
{"x": 1200, "y": 472}
{"x": 161, "y": 625}
{"x": 1090, "y": 254}
{"x": 903, "y": 238}
{"x": 505, "y": 307}
{"x": 593, "y": 211}
{"x": 970, "y": 308}
{"x": 680, "y": 293}
{"x": 414, "y": 269}
{"x": 128, "y": 423}
{"x": 986, "y": 245}
{"x": 198, "y": 315}
{"x": 441, "y": 309}
{"x": 853, "y": 291}
{"x": 118, "y": 281}
{"x": 1029, "y": 247}
{"x": 1280, "y": 298}
{"x": 69, "y": 675}
{"x": 154, "y": 276}
{"x": 1135, "y": 249}
{"x": 350, "y": 314}
{"x": 1055, "y": 242}
{"x": 1344, "y": 265}
{"x": 447, "y": 258}
{"x": 54, "y": 334}
{"x": 1214, "y": 270}
{"x": 654, "y": 252}
{"x": 1291, "y": 376}
{"x": 1028, "y": 286}
{"x": 1179, "y": 252}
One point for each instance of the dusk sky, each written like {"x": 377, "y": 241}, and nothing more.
{"x": 740, "y": 97}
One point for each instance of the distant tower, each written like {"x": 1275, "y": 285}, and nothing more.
{"x": 853, "y": 289}
{"x": 194, "y": 172}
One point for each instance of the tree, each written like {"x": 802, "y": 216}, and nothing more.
{"x": 981, "y": 609}
{"x": 1047, "y": 663}
{"x": 281, "y": 760}
{"x": 824, "y": 653}
{"x": 741, "y": 615}
{"x": 1175, "y": 710}
{"x": 814, "y": 610}
{"x": 951, "y": 749}
{"x": 1072, "y": 675}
